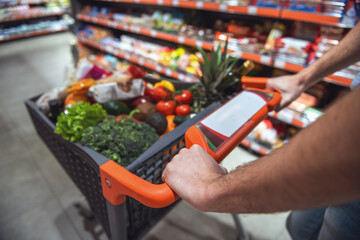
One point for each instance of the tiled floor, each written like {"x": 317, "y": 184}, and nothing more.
{"x": 37, "y": 198}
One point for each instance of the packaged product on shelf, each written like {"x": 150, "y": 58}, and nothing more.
{"x": 268, "y": 3}
{"x": 276, "y": 32}
{"x": 271, "y": 134}
{"x": 305, "y": 6}
{"x": 293, "y": 50}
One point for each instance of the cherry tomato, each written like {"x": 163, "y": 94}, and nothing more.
{"x": 166, "y": 107}
{"x": 161, "y": 93}
{"x": 183, "y": 110}
{"x": 185, "y": 97}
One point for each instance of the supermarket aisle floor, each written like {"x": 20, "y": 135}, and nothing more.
{"x": 38, "y": 200}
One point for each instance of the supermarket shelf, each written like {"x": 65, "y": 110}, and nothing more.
{"x": 31, "y": 34}
{"x": 171, "y": 38}
{"x": 335, "y": 78}
{"x": 246, "y": 10}
{"x": 292, "y": 120}
{"x": 249, "y": 10}
{"x": 263, "y": 59}
{"x": 255, "y": 147}
{"x": 140, "y": 61}
{"x": 147, "y": 32}
{"x": 267, "y": 60}
{"x": 14, "y": 3}
{"x": 311, "y": 17}
{"x": 31, "y": 15}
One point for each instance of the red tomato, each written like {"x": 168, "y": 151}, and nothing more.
{"x": 136, "y": 72}
{"x": 185, "y": 97}
{"x": 142, "y": 99}
{"x": 161, "y": 93}
{"x": 183, "y": 110}
{"x": 149, "y": 92}
{"x": 166, "y": 107}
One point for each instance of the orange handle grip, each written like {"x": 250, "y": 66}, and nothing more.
{"x": 117, "y": 183}
{"x": 254, "y": 82}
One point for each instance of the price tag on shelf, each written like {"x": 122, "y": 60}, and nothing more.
{"x": 134, "y": 29}
{"x": 175, "y": 3}
{"x": 158, "y": 68}
{"x": 109, "y": 49}
{"x": 126, "y": 27}
{"x": 199, "y": 5}
{"x": 252, "y": 10}
{"x": 223, "y": 8}
{"x": 137, "y": 1}
{"x": 141, "y": 61}
{"x": 188, "y": 79}
{"x": 168, "y": 72}
{"x": 111, "y": 24}
{"x": 153, "y": 33}
{"x": 254, "y": 146}
{"x": 181, "y": 77}
{"x": 160, "y": 2}
{"x": 279, "y": 64}
{"x": 181, "y": 39}
{"x": 116, "y": 52}
{"x": 198, "y": 43}
{"x": 265, "y": 60}
{"x": 127, "y": 56}
{"x": 237, "y": 54}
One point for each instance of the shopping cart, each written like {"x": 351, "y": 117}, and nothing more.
{"x": 122, "y": 217}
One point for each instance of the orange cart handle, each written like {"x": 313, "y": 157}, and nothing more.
{"x": 117, "y": 182}
{"x": 254, "y": 82}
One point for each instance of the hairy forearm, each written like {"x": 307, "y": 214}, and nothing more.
{"x": 344, "y": 54}
{"x": 319, "y": 166}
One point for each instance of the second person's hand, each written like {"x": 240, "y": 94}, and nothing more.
{"x": 290, "y": 87}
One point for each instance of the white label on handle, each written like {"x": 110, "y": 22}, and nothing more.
{"x": 227, "y": 119}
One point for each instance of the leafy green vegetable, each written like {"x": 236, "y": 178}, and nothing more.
{"x": 72, "y": 123}
{"x": 121, "y": 141}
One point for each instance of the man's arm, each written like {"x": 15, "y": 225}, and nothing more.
{"x": 318, "y": 167}
{"x": 339, "y": 57}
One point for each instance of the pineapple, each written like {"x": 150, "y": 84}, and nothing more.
{"x": 217, "y": 75}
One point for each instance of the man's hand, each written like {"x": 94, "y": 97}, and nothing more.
{"x": 290, "y": 87}
{"x": 192, "y": 174}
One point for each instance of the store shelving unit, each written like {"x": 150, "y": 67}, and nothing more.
{"x": 29, "y": 16}
{"x": 32, "y": 34}
{"x": 139, "y": 61}
{"x": 32, "y": 15}
{"x": 263, "y": 59}
{"x": 269, "y": 60}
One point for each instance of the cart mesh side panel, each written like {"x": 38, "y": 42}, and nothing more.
{"x": 79, "y": 166}
{"x": 151, "y": 170}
